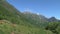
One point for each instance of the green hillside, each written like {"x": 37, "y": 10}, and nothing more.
{"x": 13, "y": 21}
{"x": 8, "y": 28}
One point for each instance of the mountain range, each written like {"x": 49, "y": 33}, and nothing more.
{"x": 22, "y": 23}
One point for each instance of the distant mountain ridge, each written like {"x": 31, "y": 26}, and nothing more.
{"x": 52, "y": 19}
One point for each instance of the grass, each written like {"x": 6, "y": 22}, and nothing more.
{"x": 8, "y": 28}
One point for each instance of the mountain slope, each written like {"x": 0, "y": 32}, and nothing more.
{"x": 14, "y": 22}
{"x": 36, "y": 19}
{"x": 10, "y": 13}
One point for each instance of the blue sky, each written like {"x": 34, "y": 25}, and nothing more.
{"x": 47, "y": 8}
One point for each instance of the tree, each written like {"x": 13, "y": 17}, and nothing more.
{"x": 52, "y": 27}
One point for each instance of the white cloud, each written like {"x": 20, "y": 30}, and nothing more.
{"x": 38, "y": 14}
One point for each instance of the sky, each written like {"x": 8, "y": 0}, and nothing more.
{"x": 48, "y": 8}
